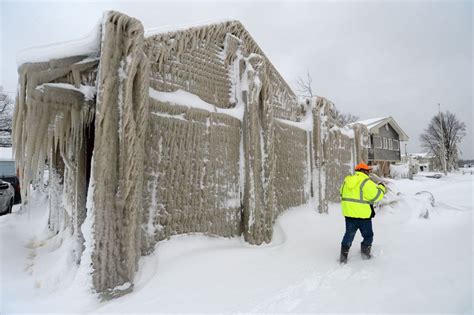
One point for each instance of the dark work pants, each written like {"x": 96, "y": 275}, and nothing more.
{"x": 365, "y": 227}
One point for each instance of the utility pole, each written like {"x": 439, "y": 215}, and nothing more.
{"x": 408, "y": 160}
{"x": 443, "y": 148}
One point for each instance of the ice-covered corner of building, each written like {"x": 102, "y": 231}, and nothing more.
{"x": 178, "y": 131}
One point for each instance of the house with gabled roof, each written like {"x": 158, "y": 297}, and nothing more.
{"x": 385, "y": 136}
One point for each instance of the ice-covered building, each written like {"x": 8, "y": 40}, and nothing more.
{"x": 174, "y": 131}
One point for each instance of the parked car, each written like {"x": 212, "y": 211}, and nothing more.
{"x": 6, "y": 197}
{"x": 8, "y": 174}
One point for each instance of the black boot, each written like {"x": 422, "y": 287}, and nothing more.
{"x": 344, "y": 254}
{"x": 365, "y": 250}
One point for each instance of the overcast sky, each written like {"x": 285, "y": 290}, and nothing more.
{"x": 372, "y": 59}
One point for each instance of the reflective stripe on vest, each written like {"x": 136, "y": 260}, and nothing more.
{"x": 361, "y": 194}
{"x": 362, "y": 187}
{"x": 379, "y": 191}
{"x": 355, "y": 200}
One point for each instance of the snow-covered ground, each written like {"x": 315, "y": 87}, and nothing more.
{"x": 420, "y": 265}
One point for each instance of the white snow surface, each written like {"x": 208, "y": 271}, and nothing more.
{"x": 422, "y": 155}
{"x": 184, "y": 98}
{"x": 369, "y": 122}
{"x": 88, "y": 91}
{"x": 399, "y": 171}
{"x": 306, "y": 122}
{"x": 88, "y": 45}
{"x": 419, "y": 265}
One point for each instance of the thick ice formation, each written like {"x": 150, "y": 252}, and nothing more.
{"x": 183, "y": 131}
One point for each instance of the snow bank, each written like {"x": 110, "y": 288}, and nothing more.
{"x": 38, "y": 265}
{"x": 398, "y": 171}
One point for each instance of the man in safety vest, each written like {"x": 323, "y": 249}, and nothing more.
{"x": 358, "y": 194}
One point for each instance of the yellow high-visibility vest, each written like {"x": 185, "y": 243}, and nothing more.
{"x": 358, "y": 192}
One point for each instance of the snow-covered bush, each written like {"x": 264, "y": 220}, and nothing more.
{"x": 398, "y": 171}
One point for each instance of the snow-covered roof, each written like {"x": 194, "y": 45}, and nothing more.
{"x": 369, "y": 123}
{"x": 88, "y": 45}
{"x": 421, "y": 155}
{"x": 374, "y": 124}
{"x": 185, "y": 27}
{"x": 229, "y": 25}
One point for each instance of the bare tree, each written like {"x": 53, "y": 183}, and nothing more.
{"x": 305, "y": 86}
{"x": 448, "y": 128}
{"x": 344, "y": 118}
{"x": 305, "y": 89}
{"x": 6, "y": 113}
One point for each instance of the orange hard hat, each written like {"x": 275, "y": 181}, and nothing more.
{"x": 362, "y": 166}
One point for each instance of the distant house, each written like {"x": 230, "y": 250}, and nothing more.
{"x": 424, "y": 162}
{"x": 385, "y": 136}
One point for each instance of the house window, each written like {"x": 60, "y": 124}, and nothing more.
{"x": 377, "y": 142}
{"x": 385, "y": 143}
{"x": 396, "y": 145}
{"x": 390, "y": 144}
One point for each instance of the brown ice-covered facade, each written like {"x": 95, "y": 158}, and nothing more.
{"x": 185, "y": 131}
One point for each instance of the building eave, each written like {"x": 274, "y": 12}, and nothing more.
{"x": 389, "y": 120}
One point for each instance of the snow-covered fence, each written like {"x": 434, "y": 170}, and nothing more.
{"x": 191, "y": 130}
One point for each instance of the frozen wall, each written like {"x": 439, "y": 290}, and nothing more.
{"x": 292, "y": 187}
{"x": 190, "y": 131}
{"x": 337, "y": 149}
{"x": 221, "y": 65}
{"x": 191, "y": 173}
